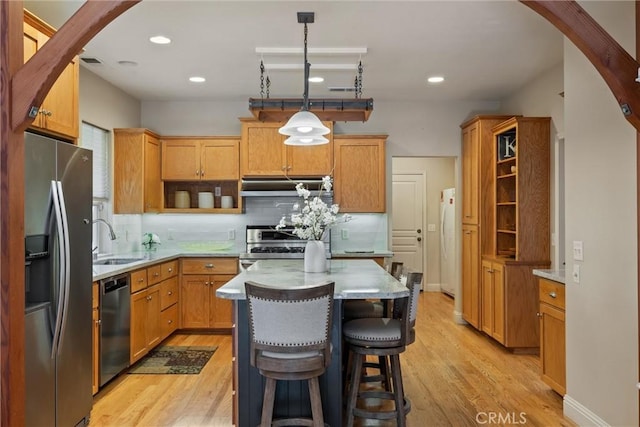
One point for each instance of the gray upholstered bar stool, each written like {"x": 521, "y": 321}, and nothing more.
{"x": 386, "y": 338}
{"x": 290, "y": 340}
{"x": 359, "y": 308}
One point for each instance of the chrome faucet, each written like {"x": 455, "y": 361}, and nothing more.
{"x": 112, "y": 234}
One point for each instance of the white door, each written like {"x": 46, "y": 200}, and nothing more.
{"x": 407, "y": 236}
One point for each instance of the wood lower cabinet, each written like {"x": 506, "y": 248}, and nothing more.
{"x": 95, "y": 339}
{"x": 471, "y": 275}
{"x": 154, "y": 307}
{"x": 58, "y": 113}
{"x": 200, "y": 279}
{"x": 359, "y": 174}
{"x": 552, "y": 334}
{"x": 509, "y": 302}
{"x": 136, "y": 180}
{"x": 263, "y": 153}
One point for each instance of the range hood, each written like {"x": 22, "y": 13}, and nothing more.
{"x": 262, "y": 187}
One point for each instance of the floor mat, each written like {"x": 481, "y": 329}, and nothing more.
{"x": 174, "y": 360}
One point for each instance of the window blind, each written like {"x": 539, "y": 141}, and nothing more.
{"x": 97, "y": 139}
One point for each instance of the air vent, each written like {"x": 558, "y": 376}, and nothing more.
{"x": 89, "y": 60}
{"x": 341, "y": 89}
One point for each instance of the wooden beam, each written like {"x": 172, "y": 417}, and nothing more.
{"x": 34, "y": 80}
{"x": 616, "y": 66}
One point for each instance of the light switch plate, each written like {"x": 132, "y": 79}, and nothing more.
{"x": 578, "y": 254}
{"x": 345, "y": 234}
{"x": 431, "y": 227}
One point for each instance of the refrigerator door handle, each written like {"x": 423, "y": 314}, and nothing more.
{"x": 443, "y": 248}
{"x": 66, "y": 260}
{"x": 62, "y": 274}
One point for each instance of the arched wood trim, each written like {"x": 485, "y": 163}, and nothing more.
{"x": 33, "y": 81}
{"x": 618, "y": 69}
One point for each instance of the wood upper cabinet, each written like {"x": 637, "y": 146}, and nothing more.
{"x": 263, "y": 153}
{"x": 58, "y": 113}
{"x": 359, "y": 174}
{"x": 552, "y": 334}
{"x": 137, "y": 186}
{"x": 201, "y": 277}
{"x": 196, "y": 159}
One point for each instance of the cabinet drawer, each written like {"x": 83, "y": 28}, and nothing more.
{"x": 169, "y": 320}
{"x": 169, "y": 269}
{"x": 552, "y": 293}
{"x": 154, "y": 274}
{"x": 210, "y": 266}
{"x": 138, "y": 280}
{"x": 168, "y": 292}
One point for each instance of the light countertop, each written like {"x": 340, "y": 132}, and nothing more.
{"x": 555, "y": 275}
{"x": 354, "y": 278}
{"x": 150, "y": 258}
{"x": 361, "y": 254}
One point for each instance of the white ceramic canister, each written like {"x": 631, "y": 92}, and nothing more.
{"x": 226, "y": 202}
{"x": 205, "y": 200}
{"x": 183, "y": 200}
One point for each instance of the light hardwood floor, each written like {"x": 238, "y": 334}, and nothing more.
{"x": 453, "y": 375}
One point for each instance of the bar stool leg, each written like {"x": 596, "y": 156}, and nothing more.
{"x": 267, "y": 402}
{"x": 398, "y": 390}
{"x": 354, "y": 386}
{"x": 316, "y": 403}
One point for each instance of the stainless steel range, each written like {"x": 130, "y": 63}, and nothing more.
{"x": 265, "y": 242}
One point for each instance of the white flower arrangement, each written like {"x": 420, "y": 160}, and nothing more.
{"x": 150, "y": 240}
{"x": 316, "y": 216}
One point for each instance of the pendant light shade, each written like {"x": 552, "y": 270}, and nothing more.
{"x": 304, "y": 127}
{"x": 304, "y": 123}
{"x": 306, "y": 141}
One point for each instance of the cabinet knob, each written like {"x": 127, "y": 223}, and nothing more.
{"x": 553, "y": 294}
{"x": 201, "y": 173}
{"x": 206, "y": 283}
{"x": 170, "y": 321}
{"x": 208, "y": 265}
{"x": 98, "y": 322}
{"x": 140, "y": 280}
{"x": 467, "y": 232}
{"x": 197, "y": 172}
{"x": 539, "y": 314}
{"x": 169, "y": 293}
{"x": 170, "y": 269}
{"x": 156, "y": 274}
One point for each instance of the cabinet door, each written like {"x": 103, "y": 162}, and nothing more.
{"x": 138, "y": 338}
{"x": 360, "y": 174}
{"x": 169, "y": 320}
{"x": 181, "y": 160}
{"x": 470, "y": 275}
{"x": 153, "y": 317}
{"x": 486, "y": 313}
{"x": 221, "y": 309}
{"x": 195, "y": 301}
{"x": 498, "y": 302}
{"x": 152, "y": 185}
{"x": 470, "y": 162}
{"x": 552, "y": 347}
{"x": 316, "y": 160}
{"x": 220, "y": 160}
{"x": 263, "y": 151}
{"x": 95, "y": 339}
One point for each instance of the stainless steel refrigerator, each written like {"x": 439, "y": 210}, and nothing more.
{"x": 58, "y": 277}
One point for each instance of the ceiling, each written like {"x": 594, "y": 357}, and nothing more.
{"x": 484, "y": 49}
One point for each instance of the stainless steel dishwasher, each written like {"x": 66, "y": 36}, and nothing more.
{"x": 115, "y": 315}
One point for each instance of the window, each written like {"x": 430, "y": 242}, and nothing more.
{"x": 97, "y": 139}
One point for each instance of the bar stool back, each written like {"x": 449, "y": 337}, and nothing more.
{"x": 385, "y": 338}
{"x": 290, "y": 340}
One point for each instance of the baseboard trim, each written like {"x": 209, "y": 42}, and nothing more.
{"x": 457, "y": 317}
{"x": 580, "y": 414}
{"x": 432, "y": 287}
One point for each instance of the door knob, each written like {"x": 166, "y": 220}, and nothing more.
{"x": 419, "y": 239}
{"x": 419, "y": 230}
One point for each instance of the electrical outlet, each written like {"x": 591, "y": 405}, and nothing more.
{"x": 231, "y": 234}
{"x": 578, "y": 253}
{"x": 345, "y": 234}
{"x": 218, "y": 191}
{"x": 576, "y": 273}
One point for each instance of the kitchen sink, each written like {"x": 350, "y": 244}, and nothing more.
{"x": 116, "y": 261}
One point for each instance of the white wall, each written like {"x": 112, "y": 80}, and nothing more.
{"x": 601, "y": 211}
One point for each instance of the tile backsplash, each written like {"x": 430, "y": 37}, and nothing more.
{"x": 363, "y": 232}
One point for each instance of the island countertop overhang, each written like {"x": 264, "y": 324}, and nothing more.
{"x": 353, "y": 278}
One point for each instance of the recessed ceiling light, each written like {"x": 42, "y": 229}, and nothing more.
{"x": 316, "y": 79}
{"x": 160, "y": 40}
{"x": 197, "y": 79}
{"x": 435, "y": 79}
{"x": 128, "y": 63}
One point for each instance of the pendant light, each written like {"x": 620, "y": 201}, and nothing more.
{"x": 304, "y": 127}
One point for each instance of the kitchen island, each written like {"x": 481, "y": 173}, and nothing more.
{"x": 354, "y": 279}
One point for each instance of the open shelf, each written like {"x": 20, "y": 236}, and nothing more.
{"x": 227, "y": 188}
